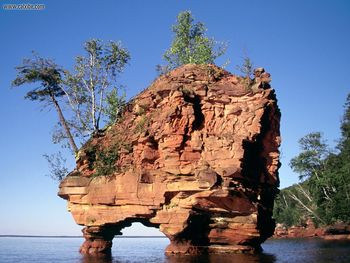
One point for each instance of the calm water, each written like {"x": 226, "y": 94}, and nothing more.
{"x": 146, "y": 250}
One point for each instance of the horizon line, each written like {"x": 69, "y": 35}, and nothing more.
{"x": 68, "y": 236}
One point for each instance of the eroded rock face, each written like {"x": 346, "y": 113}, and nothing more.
{"x": 337, "y": 231}
{"x": 195, "y": 154}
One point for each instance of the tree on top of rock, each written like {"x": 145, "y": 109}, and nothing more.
{"x": 49, "y": 75}
{"x": 190, "y": 44}
{"x": 85, "y": 98}
{"x": 92, "y": 90}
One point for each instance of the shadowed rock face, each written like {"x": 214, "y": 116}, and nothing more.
{"x": 195, "y": 154}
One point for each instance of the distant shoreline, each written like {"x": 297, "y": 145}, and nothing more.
{"x": 117, "y": 236}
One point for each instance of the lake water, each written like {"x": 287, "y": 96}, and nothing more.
{"x": 146, "y": 250}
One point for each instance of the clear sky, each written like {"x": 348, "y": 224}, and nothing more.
{"x": 303, "y": 44}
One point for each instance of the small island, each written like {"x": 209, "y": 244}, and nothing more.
{"x": 195, "y": 154}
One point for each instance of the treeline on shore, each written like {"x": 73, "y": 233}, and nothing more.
{"x": 323, "y": 191}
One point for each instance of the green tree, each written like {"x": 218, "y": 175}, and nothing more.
{"x": 337, "y": 176}
{"x": 324, "y": 193}
{"x": 310, "y": 161}
{"x": 247, "y": 67}
{"x": 49, "y": 75}
{"x": 115, "y": 105}
{"x": 311, "y": 165}
{"x": 92, "y": 89}
{"x": 344, "y": 143}
{"x": 57, "y": 166}
{"x": 288, "y": 210}
{"x": 190, "y": 44}
{"x": 83, "y": 98}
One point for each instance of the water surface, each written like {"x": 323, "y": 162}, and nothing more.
{"x": 146, "y": 250}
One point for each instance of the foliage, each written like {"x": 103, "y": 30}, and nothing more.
{"x": 83, "y": 98}
{"x": 285, "y": 212}
{"x": 247, "y": 67}
{"x": 57, "y": 166}
{"x": 115, "y": 105}
{"x": 102, "y": 160}
{"x": 49, "y": 75}
{"x": 92, "y": 90}
{"x": 311, "y": 160}
{"x": 294, "y": 205}
{"x": 142, "y": 124}
{"x": 326, "y": 179}
{"x": 344, "y": 143}
{"x": 190, "y": 44}
{"x": 106, "y": 161}
{"x": 90, "y": 152}
{"x": 44, "y": 71}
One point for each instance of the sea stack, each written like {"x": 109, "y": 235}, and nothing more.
{"x": 195, "y": 155}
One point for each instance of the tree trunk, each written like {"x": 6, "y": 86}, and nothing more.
{"x": 93, "y": 96}
{"x": 93, "y": 110}
{"x": 65, "y": 125}
{"x": 294, "y": 197}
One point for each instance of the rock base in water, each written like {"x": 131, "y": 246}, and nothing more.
{"x": 196, "y": 155}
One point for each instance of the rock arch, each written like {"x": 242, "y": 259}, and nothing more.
{"x": 197, "y": 157}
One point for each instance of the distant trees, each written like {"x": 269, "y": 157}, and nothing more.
{"x": 190, "y": 44}
{"x": 324, "y": 193}
{"x": 293, "y": 205}
{"x": 310, "y": 162}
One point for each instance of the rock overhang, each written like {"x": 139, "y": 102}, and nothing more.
{"x": 197, "y": 156}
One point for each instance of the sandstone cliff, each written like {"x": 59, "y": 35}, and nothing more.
{"x": 195, "y": 154}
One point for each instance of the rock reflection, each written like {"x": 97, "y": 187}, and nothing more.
{"x": 214, "y": 258}
{"x": 96, "y": 259}
{"x": 223, "y": 258}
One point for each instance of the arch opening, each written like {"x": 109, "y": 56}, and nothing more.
{"x": 138, "y": 228}
{"x": 143, "y": 237}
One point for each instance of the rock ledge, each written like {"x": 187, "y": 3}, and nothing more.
{"x": 196, "y": 155}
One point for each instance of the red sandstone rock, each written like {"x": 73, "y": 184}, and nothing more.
{"x": 198, "y": 158}
{"x": 280, "y": 231}
{"x": 338, "y": 231}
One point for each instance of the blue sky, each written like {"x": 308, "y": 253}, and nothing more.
{"x": 303, "y": 44}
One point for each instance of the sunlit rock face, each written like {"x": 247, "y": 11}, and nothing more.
{"x": 195, "y": 154}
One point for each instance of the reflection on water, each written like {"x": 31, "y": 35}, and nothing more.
{"x": 311, "y": 250}
{"x": 282, "y": 250}
{"x": 223, "y": 258}
{"x": 96, "y": 259}
{"x": 151, "y": 250}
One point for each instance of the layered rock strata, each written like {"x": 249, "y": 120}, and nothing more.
{"x": 338, "y": 231}
{"x": 196, "y": 155}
